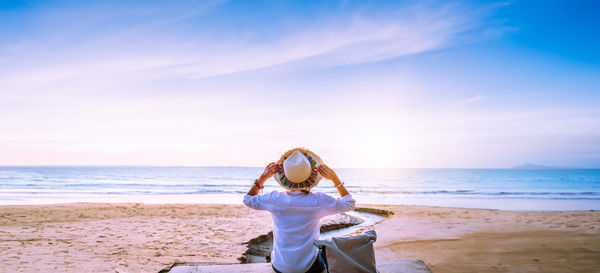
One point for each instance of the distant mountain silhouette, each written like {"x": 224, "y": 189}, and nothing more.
{"x": 529, "y": 166}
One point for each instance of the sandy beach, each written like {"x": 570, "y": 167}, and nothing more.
{"x": 86, "y": 237}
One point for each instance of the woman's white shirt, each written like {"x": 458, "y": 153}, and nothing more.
{"x": 296, "y": 224}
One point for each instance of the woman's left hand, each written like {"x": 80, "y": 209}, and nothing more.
{"x": 269, "y": 171}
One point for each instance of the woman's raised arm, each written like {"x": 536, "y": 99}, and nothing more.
{"x": 328, "y": 173}
{"x": 269, "y": 171}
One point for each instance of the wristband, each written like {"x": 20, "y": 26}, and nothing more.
{"x": 339, "y": 185}
{"x": 256, "y": 184}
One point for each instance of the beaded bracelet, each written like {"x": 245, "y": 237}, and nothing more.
{"x": 257, "y": 186}
{"x": 341, "y": 184}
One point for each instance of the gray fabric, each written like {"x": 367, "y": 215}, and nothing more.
{"x": 350, "y": 254}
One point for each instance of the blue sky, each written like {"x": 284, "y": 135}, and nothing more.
{"x": 364, "y": 84}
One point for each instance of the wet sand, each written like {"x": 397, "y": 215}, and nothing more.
{"x": 148, "y": 237}
{"x": 471, "y": 240}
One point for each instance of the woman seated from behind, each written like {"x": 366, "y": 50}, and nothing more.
{"x": 297, "y": 211}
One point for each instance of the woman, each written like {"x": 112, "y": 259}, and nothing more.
{"x": 297, "y": 211}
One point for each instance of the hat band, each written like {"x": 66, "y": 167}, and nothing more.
{"x": 307, "y": 183}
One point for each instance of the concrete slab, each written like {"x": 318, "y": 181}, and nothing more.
{"x": 395, "y": 266}
{"x": 404, "y": 266}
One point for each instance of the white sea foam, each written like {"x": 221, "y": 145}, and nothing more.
{"x": 507, "y": 189}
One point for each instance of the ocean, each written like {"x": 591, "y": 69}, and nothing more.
{"x": 504, "y": 189}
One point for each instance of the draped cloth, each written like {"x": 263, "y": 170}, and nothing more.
{"x": 350, "y": 254}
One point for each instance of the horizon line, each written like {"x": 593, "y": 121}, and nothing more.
{"x": 516, "y": 167}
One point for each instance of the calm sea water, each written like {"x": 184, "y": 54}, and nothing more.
{"x": 507, "y": 189}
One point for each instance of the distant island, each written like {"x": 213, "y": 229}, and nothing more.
{"x": 540, "y": 167}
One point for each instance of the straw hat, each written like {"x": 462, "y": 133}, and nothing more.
{"x": 299, "y": 169}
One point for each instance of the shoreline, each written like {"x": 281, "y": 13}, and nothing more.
{"x": 137, "y": 237}
{"x": 499, "y": 203}
{"x": 362, "y": 206}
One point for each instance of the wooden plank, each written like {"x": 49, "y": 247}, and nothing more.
{"x": 395, "y": 266}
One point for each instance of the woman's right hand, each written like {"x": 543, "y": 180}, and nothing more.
{"x": 328, "y": 173}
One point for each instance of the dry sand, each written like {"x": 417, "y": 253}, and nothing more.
{"x": 146, "y": 238}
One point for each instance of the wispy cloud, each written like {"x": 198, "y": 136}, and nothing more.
{"x": 172, "y": 46}
{"x": 350, "y": 40}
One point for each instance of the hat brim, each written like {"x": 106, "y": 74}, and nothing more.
{"x": 309, "y": 183}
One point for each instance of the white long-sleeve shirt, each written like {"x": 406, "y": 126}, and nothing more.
{"x": 296, "y": 223}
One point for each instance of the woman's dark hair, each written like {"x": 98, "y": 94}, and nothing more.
{"x": 305, "y": 191}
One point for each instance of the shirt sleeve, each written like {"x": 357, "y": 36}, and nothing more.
{"x": 330, "y": 205}
{"x": 259, "y": 201}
